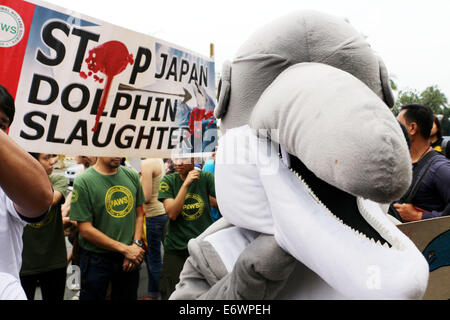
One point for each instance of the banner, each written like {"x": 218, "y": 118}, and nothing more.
{"x": 87, "y": 87}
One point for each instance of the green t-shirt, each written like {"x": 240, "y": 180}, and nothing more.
{"x": 44, "y": 245}
{"x": 195, "y": 217}
{"x": 109, "y": 202}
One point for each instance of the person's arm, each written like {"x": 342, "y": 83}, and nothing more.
{"x": 408, "y": 212}
{"x": 131, "y": 252}
{"x": 212, "y": 191}
{"x": 174, "y": 207}
{"x": 57, "y": 197}
{"x": 24, "y": 180}
{"x": 129, "y": 265}
{"x": 213, "y": 202}
{"x": 139, "y": 223}
{"x": 147, "y": 179}
{"x": 442, "y": 183}
{"x": 65, "y": 208}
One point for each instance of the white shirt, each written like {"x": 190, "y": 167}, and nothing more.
{"x": 11, "y": 230}
{"x": 10, "y": 288}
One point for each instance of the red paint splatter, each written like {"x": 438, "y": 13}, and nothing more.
{"x": 109, "y": 58}
{"x": 83, "y": 75}
{"x": 197, "y": 115}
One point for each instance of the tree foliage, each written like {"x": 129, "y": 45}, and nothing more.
{"x": 432, "y": 97}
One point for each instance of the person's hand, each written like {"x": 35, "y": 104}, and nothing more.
{"x": 134, "y": 254}
{"x": 192, "y": 175}
{"x": 408, "y": 212}
{"x": 128, "y": 266}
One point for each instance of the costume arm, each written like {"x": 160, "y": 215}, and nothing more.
{"x": 260, "y": 272}
{"x": 23, "y": 179}
{"x": 193, "y": 284}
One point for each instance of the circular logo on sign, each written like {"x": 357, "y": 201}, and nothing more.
{"x": 12, "y": 27}
{"x": 118, "y": 201}
{"x": 193, "y": 207}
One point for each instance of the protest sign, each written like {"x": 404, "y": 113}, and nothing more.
{"x": 84, "y": 86}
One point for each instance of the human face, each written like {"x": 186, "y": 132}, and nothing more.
{"x": 111, "y": 162}
{"x": 401, "y": 118}
{"x": 183, "y": 165}
{"x": 411, "y": 126}
{"x": 4, "y": 121}
{"x": 47, "y": 161}
{"x": 434, "y": 130}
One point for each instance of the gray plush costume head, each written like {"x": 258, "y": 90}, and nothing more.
{"x": 315, "y": 79}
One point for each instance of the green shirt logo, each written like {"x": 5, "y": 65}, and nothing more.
{"x": 74, "y": 196}
{"x": 119, "y": 201}
{"x": 164, "y": 187}
{"x": 193, "y": 207}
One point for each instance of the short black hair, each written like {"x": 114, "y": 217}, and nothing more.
{"x": 7, "y": 104}
{"x": 422, "y": 115}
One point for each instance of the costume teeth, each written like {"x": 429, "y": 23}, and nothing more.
{"x": 397, "y": 244}
{"x": 394, "y": 241}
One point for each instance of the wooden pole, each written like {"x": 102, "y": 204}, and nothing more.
{"x": 211, "y": 50}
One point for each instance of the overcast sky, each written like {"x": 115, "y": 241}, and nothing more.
{"x": 412, "y": 36}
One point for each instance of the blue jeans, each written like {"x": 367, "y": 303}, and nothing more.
{"x": 153, "y": 260}
{"x": 99, "y": 270}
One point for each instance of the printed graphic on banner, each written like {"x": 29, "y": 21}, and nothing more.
{"x": 11, "y": 27}
{"x": 93, "y": 88}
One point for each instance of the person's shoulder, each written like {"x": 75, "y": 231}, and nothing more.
{"x": 130, "y": 172}
{"x": 54, "y": 178}
{"x": 440, "y": 160}
{"x": 206, "y": 175}
{"x": 85, "y": 176}
{"x": 170, "y": 177}
{"x": 151, "y": 161}
{"x": 441, "y": 165}
{"x": 151, "y": 164}
{"x": 59, "y": 183}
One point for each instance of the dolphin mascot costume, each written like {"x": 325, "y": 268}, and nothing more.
{"x": 309, "y": 148}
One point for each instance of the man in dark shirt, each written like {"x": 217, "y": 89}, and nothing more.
{"x": 430, "y": 188}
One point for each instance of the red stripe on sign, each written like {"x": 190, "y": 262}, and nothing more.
{"x": 16, "y": 17}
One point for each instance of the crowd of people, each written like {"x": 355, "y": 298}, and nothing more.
{"x": 117, "y": 217}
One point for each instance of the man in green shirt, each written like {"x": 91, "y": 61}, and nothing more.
{"x": 187, "y": 196}
{"x": 107, "y": 204}
{"x": 44, "y": 255}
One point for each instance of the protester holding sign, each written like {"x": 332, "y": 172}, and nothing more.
{"x": 107, "y": 204}
{"x": 20, "y": 203}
